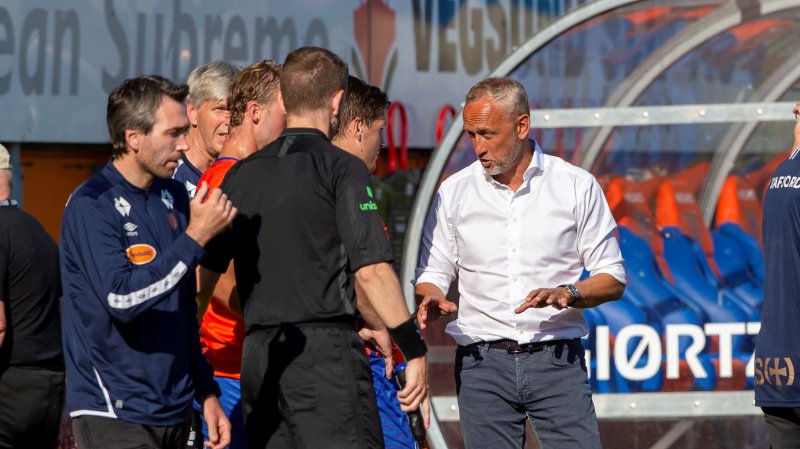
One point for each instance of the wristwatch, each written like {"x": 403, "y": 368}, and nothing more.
{"x": 574, "y": 294}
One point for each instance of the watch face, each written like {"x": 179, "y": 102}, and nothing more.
{"x": 573, "y": 291}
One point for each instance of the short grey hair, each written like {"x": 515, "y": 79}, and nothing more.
{"x": 505, "y": 91}
{"x": 211, "y": 81}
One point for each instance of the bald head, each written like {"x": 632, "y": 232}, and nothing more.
{"x": 5, "y": 173}
{"x": 5, "y": 184}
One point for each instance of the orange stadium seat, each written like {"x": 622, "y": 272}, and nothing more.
{"x": 738, "y": 218}
{"x": 739, "y": 203}
{"x": 690, "y": 249}
{"x": 641, "y": 245}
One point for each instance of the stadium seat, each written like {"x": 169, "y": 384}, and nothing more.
{"x": 738, "y": 218}
{"x": 653, "y": 288}
{"x": 689, "y": 252}
{"x": 645, "y": 291}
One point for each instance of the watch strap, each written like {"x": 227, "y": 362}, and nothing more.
{"x": 573, "y": 292}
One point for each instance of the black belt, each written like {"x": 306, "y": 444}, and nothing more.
{"x": 513, "y": 347}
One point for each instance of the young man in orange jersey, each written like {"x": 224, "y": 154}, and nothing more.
{"x": 361, "y": 122}
{"x": 257, "y": 117}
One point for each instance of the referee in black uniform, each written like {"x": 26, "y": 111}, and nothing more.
{"x": 306, "y": 229}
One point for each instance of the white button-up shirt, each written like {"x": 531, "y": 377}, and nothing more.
{"x": 503, "y": 244}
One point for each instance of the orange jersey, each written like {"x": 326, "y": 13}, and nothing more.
{"x": 221, "y": 337}
{"x": 216, "y": 172}
{"x": 222, "y": 330}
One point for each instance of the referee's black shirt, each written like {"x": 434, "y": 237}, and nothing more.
{"x": 306, "y": 222}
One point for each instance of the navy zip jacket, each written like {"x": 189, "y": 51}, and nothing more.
{"x": 130, "y": 336}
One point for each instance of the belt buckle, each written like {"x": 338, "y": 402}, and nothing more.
{"x": 528, "y": 348}
{"x": 512, "y": 347}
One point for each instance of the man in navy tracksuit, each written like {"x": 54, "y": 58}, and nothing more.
{"x": 128, "y": 260}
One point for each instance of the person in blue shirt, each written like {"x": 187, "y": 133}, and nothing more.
{"x": 128, "y": 258}
{"x": 209, "y": 119}
{"x": 777, "y": 355}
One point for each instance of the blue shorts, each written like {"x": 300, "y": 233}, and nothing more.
{"x": 231, "y": 401}
{"x": 394, "y": 422}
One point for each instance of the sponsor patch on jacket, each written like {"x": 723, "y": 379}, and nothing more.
{"x": 141, "y": 254}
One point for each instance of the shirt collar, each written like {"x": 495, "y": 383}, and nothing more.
{"x": 190, "y": 166}
{"x": 12, "y": 203}
{"x": 537, "y": 161}
{"x": 303, "y": 131}
{"x": 113, "y": 175}
{"x": 536, "y": 165}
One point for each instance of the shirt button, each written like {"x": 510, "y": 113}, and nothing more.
{"x": 514, "y": 279}
{"x": 521, "y": 331}
{"x": 513, "y": 250}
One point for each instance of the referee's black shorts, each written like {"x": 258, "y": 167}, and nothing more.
{"x": 308, "y": 386}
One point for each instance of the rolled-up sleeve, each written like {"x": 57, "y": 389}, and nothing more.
{"x": 597, "y": 237}
{"x": 439, "y": 253}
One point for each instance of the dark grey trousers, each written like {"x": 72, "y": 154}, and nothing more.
{"x": 499, "y": 391}
{"x": 783, "y": 425}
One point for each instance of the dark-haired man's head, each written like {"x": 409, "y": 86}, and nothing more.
{"x": 361, "y": 121}
{"x": 147, "y": 122}
{"x": 133, "y": 105}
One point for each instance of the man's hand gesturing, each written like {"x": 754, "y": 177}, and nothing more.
{"x": 209, "y": 215}
{"x": 542, "y": 297}
{"x": 432, "y": 308}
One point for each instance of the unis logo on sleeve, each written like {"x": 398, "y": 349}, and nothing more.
{"x": 369, "y": 205}
{"x": 141, "y": 254}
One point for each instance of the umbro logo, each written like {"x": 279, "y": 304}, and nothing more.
{"x": 123, "y": 206}
{"x": 167, "y": 199}
{"x": 131, "y": 229}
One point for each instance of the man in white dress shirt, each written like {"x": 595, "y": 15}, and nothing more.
{"x": 518, "y": 228}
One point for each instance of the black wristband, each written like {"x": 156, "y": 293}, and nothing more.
{"x": 408, "y": 338}
{"x": 211, "y": 390}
